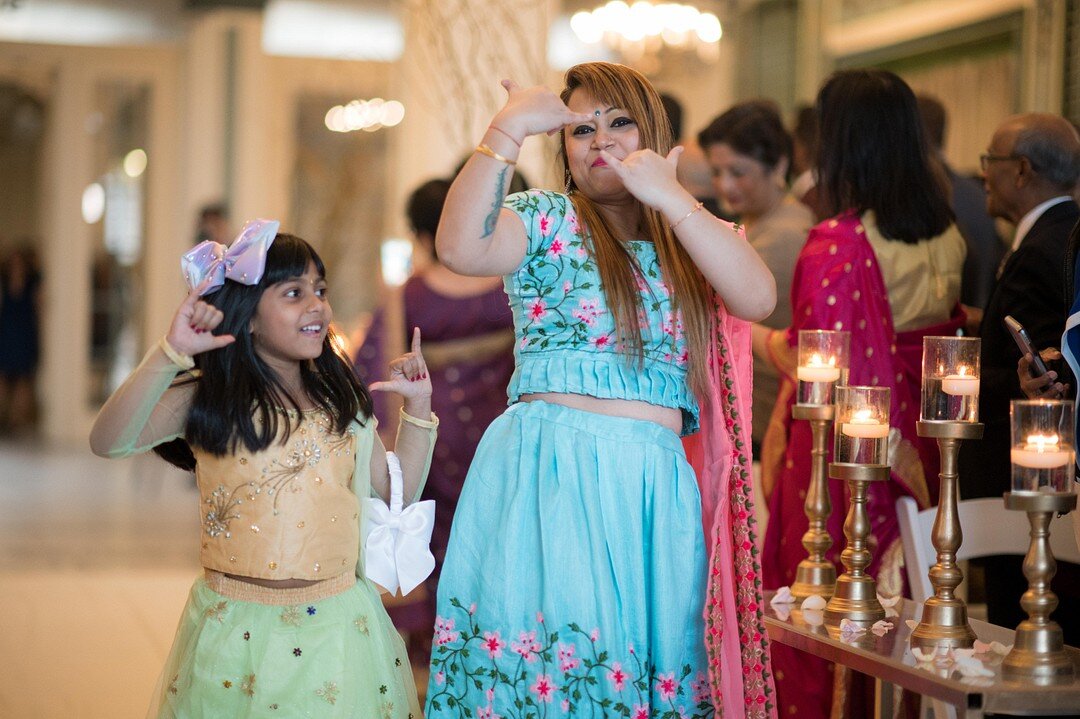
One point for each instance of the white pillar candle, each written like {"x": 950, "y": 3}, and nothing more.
{"x": 1041, "y": 452}
{"x": 818, "y": 371}
{"x": 863, "y": 426}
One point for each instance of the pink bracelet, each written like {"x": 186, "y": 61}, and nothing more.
{"x": 499, "y": 129}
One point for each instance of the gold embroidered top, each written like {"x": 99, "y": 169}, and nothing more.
{"x": 286, "y": 512}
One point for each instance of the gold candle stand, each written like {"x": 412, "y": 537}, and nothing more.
{"x": 944, "y": 619}
{"x": 815, "y": 574}
{"x": 855, "y": 595}
{"x": 1038, "y": 652}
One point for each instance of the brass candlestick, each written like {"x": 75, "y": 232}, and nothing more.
{"x": 1038, "y": 652}
{"x": 944, "y": 617}
{"x": 815, "y": 574}
{"x": 855, "y": 596}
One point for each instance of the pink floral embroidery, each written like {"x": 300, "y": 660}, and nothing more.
{"x": 667, "y": 686}
{"x": 544, "y": 223}
{"x": 542, "y": 688}
{"x": 567, "y": 661}
{"x": 588, "y": 310}
{"x": 617, "y": 676}
{"x": 526, "y": 646}
{"x": 493, "y": 644}
{"x": 600, "y": 342}
{"x": 444, "y": 631}
{"x": 571, "y": 221}
{"x": 557, "y": 247}
{"x": 590, "y": 682}
{"x": 537, "y": 309}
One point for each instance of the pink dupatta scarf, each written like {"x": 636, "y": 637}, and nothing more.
{"x": 736, "y": 641}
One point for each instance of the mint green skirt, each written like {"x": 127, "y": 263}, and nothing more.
{"x": 337, "y": 656}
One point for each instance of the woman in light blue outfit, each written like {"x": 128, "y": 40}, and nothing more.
{"x": 575, "y": 578}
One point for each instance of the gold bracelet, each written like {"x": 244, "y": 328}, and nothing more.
{"x": 178, "y": 358}
{"x": 485, "y": 150}
{"x": 697, "y": 207}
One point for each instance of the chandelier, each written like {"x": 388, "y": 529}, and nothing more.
{"x": 644, "y": 29}
{"x": 367, "y": 115}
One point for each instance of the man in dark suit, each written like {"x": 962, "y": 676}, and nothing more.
{"x": 1030, "y": 170}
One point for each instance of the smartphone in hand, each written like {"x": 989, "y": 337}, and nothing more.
{"x": 1020, "y": 336}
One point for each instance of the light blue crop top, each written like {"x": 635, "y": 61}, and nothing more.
{"x": 565, "y": 333}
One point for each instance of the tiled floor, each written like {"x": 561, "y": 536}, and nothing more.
{"x": 96, "y": 558}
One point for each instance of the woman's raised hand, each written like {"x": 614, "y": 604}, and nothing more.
{"x": 532, "y": 111}
{"x": 409, "y": 375}
{"x": 193, "y": 326}
{"x": 647, "y": 176}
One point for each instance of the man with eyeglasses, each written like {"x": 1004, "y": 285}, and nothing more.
{"x": 1030, "y": 171}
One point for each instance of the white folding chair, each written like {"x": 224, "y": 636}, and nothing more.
{"x": 989, "y": 530}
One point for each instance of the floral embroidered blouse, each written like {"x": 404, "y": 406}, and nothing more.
{"x": 288, "y": 511}
{"x": 566, "y": 340}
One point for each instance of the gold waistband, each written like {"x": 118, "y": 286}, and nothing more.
{"x": 247, "y": 592}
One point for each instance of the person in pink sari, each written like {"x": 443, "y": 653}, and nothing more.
{"x": 885, "y": 267}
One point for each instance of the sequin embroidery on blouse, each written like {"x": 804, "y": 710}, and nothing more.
{"x": 310, "y": 442}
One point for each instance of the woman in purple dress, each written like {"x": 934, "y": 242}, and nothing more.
{"x": 468, "y": 336}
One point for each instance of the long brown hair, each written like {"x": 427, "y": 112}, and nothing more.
{"x": 623, "y": 87}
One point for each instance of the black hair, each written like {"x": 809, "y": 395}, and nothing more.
{"x": 753, "y": 129}
{"x": 873, "y": 155}
{"x": 425, "y": 205}
{"x": 239, "y": 400}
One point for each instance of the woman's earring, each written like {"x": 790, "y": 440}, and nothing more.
{"x": 569, "y": 184}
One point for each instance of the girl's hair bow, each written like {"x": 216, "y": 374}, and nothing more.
{"x": 243, "y": 261}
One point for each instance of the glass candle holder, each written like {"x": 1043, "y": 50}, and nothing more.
{"x": 862, "y": 425}
{"x": 1042, "y": 446}
{"x": 823, "y": 361}
{"x": 950, "y": 385}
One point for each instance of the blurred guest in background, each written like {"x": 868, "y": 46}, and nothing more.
{"x": 20, "y": 324}
{"x": 984, "y": 247}
{"x": 750, "y": 155}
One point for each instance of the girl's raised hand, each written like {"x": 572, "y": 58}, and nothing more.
{"x": 532, "y": 111}
{"x": 193, "y": 326}
{"x": 647, "y": 176}
{"x": 408, "y": 374}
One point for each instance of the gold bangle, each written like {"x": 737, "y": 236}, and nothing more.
{"x": 421, "y": 423}
{"x": 178, "y": 358}
{"x": 697, "y": 207}
{"x": 485, "y": 150}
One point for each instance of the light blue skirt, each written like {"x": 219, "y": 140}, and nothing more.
{"x": 575, "y": 577}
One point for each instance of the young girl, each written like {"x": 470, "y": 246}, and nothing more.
{"x": 280, "y": 435}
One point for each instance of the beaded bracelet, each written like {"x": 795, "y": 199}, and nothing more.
{"x": 697, "y": 207}
{"x": 485, "y": 150}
